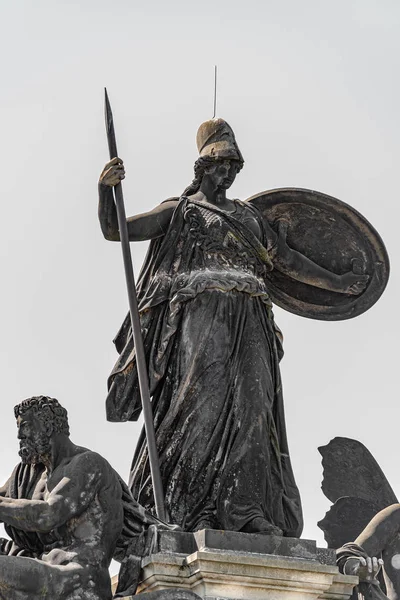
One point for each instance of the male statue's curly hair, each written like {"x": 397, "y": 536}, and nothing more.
{"x": 47, "y": 410}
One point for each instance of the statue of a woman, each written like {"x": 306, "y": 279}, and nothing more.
{"x": 212, "y": 349}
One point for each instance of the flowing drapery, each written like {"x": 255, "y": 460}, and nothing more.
{"x": 213, "y": 353}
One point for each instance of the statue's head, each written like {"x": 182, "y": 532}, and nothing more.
{"x": 220, "y": 157}
{"x": 39, "y": 419}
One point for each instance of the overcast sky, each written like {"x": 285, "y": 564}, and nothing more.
{"x": 311, "y": 89}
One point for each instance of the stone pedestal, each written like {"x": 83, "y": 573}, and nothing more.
{"x": 231, "y": 565}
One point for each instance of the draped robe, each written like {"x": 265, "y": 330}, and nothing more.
{"x": 213, "y": 352}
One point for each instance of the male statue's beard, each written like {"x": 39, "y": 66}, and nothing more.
{"x": 34, "y": 451}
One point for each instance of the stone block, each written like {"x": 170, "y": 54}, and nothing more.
{"x": 245, "y": 576}
{"x": 179, "y": 542}
{"x": 211, "y": 539}
{"x": 226, "y": 565}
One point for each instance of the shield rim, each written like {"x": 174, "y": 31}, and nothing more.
{"x": 377, "y": 284}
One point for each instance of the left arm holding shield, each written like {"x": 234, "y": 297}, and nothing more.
{"x": 299, "y": 267}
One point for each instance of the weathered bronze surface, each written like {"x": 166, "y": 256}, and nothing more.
{"x": 68, "y": 513}
{"x": 211, "y": 343}
{"x": 377, "y": 545}
{"x": 364, "y": 522}
{"x": 349, "y": 469}
{"x": 334, "y": 235}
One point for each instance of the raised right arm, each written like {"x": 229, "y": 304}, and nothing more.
{"x": 145, "y": 226}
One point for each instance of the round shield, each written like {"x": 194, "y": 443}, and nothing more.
{"x": 336, "y": 237}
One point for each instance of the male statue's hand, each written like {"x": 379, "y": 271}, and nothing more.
{"x": 113, "y": 172}
{"x": 366, "y": 569}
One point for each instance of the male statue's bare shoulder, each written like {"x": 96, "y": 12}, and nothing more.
{"x": 87, "y": 465}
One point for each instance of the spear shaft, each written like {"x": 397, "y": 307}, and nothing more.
{"x": 135, "y": 321}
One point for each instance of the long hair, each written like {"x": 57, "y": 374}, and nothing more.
{"x": 201, "y": 164}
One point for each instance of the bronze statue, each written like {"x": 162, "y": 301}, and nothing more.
{"x": 68, "y": 513}
{"x": 363, "y": 525}
{"x": 377, "y": 545}
{"x": 211, "y": 343}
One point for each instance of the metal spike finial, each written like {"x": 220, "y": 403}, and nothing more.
{"x": 215, "y": 91}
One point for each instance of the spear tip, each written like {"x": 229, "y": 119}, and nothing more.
{"x": 107, "y": 107}
{"x": 112, "y": 144}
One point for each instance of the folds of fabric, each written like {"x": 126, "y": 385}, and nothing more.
{"x": 213, "y": 353}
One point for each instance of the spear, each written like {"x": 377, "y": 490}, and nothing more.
{"x": 135, "y": 321}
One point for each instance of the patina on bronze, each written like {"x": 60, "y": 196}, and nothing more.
{"x": 377, "y": 545}
{"x": 213, "y": 348}
{"x": 363, "y": 524}
{"x": 68, "y": 513}
{"x": 336, "y": 236}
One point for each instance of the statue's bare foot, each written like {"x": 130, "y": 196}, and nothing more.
{"x": 261, "y": 525}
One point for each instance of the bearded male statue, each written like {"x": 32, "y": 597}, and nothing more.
{"x": 68, "y": 513}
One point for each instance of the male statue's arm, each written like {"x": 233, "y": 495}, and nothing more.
{"x": 299, "y": 267}
{"x": 3, "y": 491}
{"x": 145, "y": 226}
{"x": 70, "y": 497}
{"x": 383, "y": 528}
{"x": 379, "y": 537}
{"x": 4, "y": 488}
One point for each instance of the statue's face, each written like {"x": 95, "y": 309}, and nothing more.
{"x": 34, "y": 438}
{"x": 223, "y": 173}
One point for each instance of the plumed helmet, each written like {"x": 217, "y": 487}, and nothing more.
{"x": 215, "y": 138}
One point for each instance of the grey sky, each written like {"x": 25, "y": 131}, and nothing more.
{"x": 311, "y": 89}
